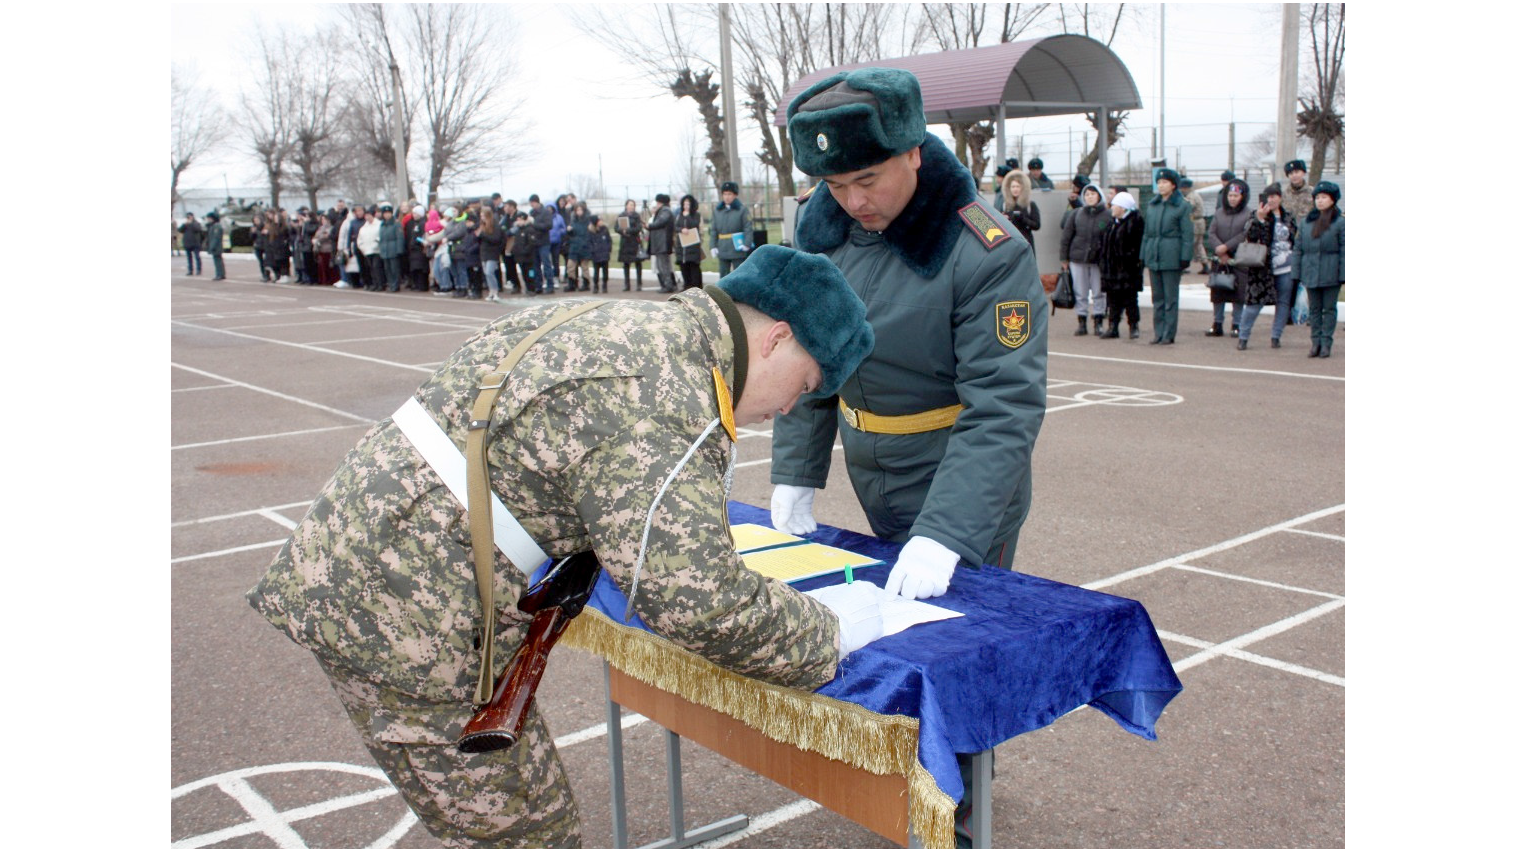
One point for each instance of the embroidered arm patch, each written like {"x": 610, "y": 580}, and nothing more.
{"x": 983, "y": 223}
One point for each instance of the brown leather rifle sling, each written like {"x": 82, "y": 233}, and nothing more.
{"x": 481, "y": 527}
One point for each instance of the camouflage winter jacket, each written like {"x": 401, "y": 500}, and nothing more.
{"x": 378, "y": 578}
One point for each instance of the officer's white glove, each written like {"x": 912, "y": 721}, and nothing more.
{"x": 715, "y": 252}
{"x": 793, "y": 509}
{"x": 857, "y": 607}
{"x": 922, "y": 570}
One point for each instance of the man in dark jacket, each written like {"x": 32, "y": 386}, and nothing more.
{"x": 662, "y": 238}
{"x": 543, "y": 224}
{"x": 191, "y": 241}
{"x": 216, "y": 246}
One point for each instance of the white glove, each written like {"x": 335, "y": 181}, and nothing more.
{"x": 922, "y": 570}
{"x": 715, "y": 252}
{"x": 857, "y": 607}
{"x": 793, "y": 509}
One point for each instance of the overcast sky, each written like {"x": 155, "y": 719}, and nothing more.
{"x": 590, "y": 116}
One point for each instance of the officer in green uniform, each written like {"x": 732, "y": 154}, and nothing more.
{"x": 603, "y": 413}
{"x": 938, "y": 424}
{"x": 730, "y": 229}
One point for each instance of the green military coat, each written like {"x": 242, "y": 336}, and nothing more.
{"x": 378, "y": 578}
{"x": 731, "y": 219}
{"x": 1168, "y": 233}
{"x": 958, "y": 317}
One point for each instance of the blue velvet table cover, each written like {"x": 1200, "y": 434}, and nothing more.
{"x": 1027, "y": 651}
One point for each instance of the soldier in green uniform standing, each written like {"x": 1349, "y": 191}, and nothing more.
{"x": 938, "y": 424}
{"x": 614, "y": 433}
{"x": 730, "y": 229}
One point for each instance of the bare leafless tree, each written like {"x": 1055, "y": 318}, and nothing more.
{"x": 1320, "y": 117}
{"x": 1102, "y": 22}
{"x": 318, "y": 154}
{"x": 462, "y": 55}
{"x": 1257, "y": 150}
{"x": 369, "y": 116}
{"x": 587, "y": 186}
{"x": 267, "y": 104}
{"x": 197, "y": 124}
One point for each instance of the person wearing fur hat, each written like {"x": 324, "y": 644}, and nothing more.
{"x": 1225, "y": 233}
{"x": 613, "y": 435}
{"x": 1320, "y": 264}
{"x": 1035, "y": 175}
{"x": 730, "y": 229}
{"x": 1018, "y": 205}
{"x": 1080, "y": 246}
{"x": 944, "y": 414}
{"x": 1298, "y": 195}
{"x": 662, "y": 242}
{"x": 1167, "y": 252}
{"x": 1122, "y": 270}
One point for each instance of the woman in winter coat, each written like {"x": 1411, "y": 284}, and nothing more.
{"x": 416, "y": 261}
{"x": 1272, "y": 283}
{"x": 1226, "y": 231}
{"x": 1080, "y": 244}
{"x": 258, "y": 244}
{"x": 1166, "y": 251}
{"x": 689, "y": 258}
{"x": 629, "y": 244}
{"x": 578, "y": 238}
{"x": 1122, "y": 270}
{"x": 278, "y": 245}
{"x": 1320, "y": 263}
{"x": 601, "y": 253}
{"x": 492, "y": 244}
{"x": 1017, "y": 203}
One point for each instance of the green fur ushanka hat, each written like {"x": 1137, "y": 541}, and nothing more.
{"x": 809, "y": 293}
{"x": 855, "y": 119}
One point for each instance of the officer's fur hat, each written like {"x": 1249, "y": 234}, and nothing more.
{"x": 1035, "y": 162}
{"x": 729, "y": 186}
{"x": 1166, "y": 174}
{"x": 855, "y": 119}
{"x": 1295, "y": 165}
{"x": 1326, "y": 187}
{"x": 1226, "y": 175}
{"x": 809, "y": 293}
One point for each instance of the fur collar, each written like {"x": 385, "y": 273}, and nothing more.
{"x": 922, "y": 235}
{"x": 732, "y": 205}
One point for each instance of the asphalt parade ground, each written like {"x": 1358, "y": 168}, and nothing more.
{"x": 1203, "y": 481}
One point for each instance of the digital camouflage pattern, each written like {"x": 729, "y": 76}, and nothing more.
{"x": 378, "y": 578}
{"x": 1297, "y": 201}
{"x": 1199, "y": 226}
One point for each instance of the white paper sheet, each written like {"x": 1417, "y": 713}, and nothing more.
{"x": 900, "y": 614}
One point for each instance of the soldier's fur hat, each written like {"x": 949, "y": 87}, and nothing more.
{"x": 1167, "y": 174}
{"x": 1295, "y": 165}
{"x": 809, "y": 293}
{"x": 855, "y": 119}
{"x": 1326, "y": 187}
{"x": 730, "y": 186}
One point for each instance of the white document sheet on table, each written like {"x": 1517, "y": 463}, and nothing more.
{"x": 900, "y": 614}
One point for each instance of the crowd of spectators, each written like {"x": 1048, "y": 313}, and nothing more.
{"x": 485, "y": 248}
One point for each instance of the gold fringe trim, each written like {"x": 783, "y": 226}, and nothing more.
{"x": 880, "y": 744}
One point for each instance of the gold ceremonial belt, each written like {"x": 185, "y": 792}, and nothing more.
{"x": 904, "y": 424}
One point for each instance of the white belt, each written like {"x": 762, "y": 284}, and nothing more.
{"x": 445, "y": 458}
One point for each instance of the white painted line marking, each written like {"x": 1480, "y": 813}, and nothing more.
{"x": 1327, "y": 535}
{"x": 203, "y": 387}
{"x": 327, "y": 408}
{"x": 262, "y": 813}
{"x": 306, "y": 347}
{"x": 1210, "y": 550}
{"x": 278, "y": 519}
{"x": 457, "y": 335}
{"x": 1240, "y": 369}
{"x": 219, "y": 517}
{"x": 230, "y": 551}
{"x": 259, "y": 437}
{"x": 1237, "y": 577}
{"x": 596, "y": 732}
{"x": 287, "y": 817}
{"x": 1253, "y": 658}
{"x": 398, "y": 831}
{"x": 765, "y": 821}
{"x": 1225, "y": 648}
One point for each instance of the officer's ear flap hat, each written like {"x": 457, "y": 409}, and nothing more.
{"x": 1167, "y": 174}
{"x": 855, "y": 119}
{"x": 1326, "y": 187}
{"x": 1295, "y": 165}
{"x": 809, "y": 293}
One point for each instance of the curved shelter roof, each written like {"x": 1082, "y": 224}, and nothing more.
{"x": 1055, "y": 75}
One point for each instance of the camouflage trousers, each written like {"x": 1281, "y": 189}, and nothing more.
{"x": 1199, "y": 250}
{"x": 517, "y": 797}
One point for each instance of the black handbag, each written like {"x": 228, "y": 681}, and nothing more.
{"x": 1064, "y": 291}
{"x": 1222, "y": 280}
{"x": 1250, "y": 254}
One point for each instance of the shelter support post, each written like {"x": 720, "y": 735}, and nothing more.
{"x": 1000, "y": 138}
{"x": 1103, "y": 121}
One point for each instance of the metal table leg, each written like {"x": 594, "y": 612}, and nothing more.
{"x": 680, "y": 837}
{"x": 984, "y": 781}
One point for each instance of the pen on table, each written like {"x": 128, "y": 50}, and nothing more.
{"x": 848, "y": 569}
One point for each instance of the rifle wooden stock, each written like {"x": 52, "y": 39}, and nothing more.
{"x": 553, "y": 603}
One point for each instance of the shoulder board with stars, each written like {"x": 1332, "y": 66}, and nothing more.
{"x": 983, "y": 223}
